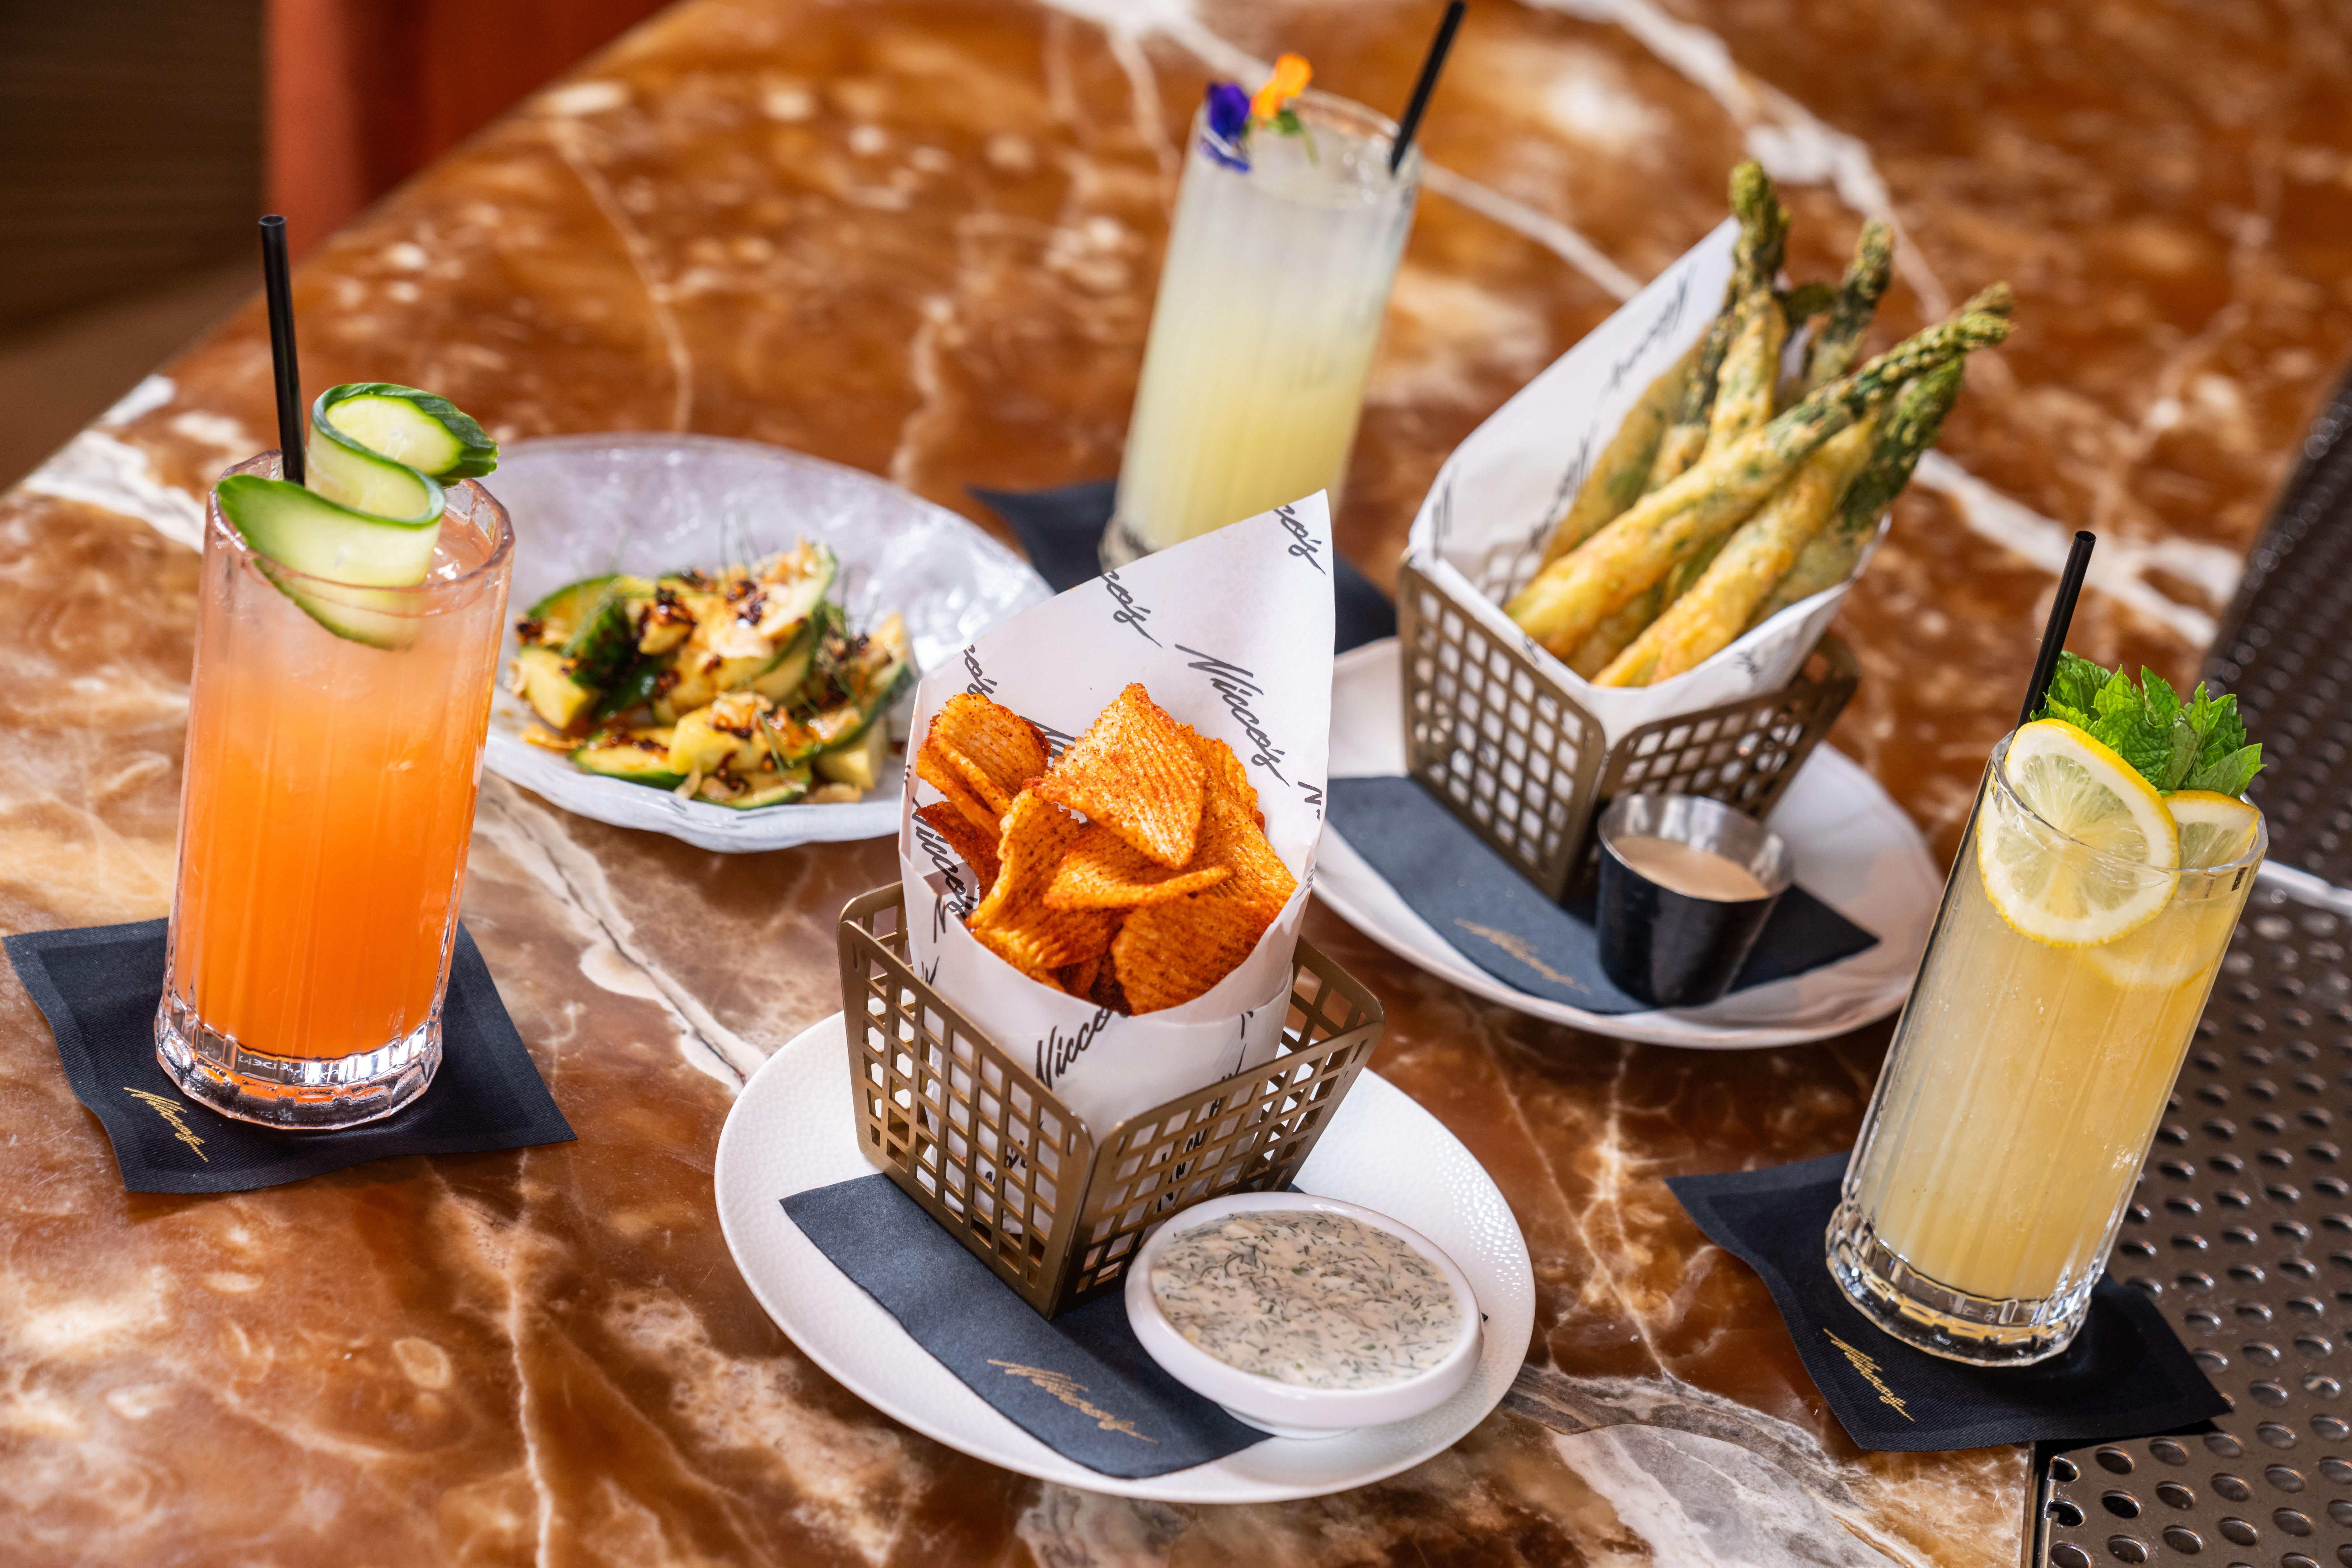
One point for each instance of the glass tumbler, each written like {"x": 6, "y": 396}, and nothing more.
{"x": 324, "y": 820}
{"x": 1270, "y": 303}
{"x": 2021, "y": 1096}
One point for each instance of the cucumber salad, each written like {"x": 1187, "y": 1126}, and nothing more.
{"x": 745, "y": 688}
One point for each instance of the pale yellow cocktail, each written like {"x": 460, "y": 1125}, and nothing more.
{"x": 2063, "y": 980}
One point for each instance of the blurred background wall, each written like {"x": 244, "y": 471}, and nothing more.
{"x": 140, "y": 139}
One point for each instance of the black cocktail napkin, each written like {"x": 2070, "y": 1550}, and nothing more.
{"x": 1061, "y": 528}
{"x": 1081, "y": 1384}
{"x": 99, "y": 987}
{"x": 1479, "y": 902}
{"x": 2125, "y": 1375}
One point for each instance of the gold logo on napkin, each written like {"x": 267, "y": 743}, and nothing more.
{"x": 171, "y": 1112}
{"x": 1066, "y": 1389}
{"x": 1523, "y": 950}
{"x": 1869, "y": 1370}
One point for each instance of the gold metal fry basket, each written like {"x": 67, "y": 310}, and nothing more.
{"x": 1493, "y": 734}
{"x": 967, "y": 1130}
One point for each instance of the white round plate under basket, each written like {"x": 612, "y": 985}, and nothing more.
{"x": 1855, "y": 849}
{"x": 648, "y": 503}
{"x": 792, "y": 1130}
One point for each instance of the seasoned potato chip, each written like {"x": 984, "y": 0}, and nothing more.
{"x": 935, "y": 768}
{"x": 997, "y": 750}
{"x": 1166, "y": 954}
{"x": 1134, "y": 772}
{"x": 1012, "y": 921}
{"x": 973, "y": 843}
{"x": 1104, "y": 871}
{"x": 1078, "y": 979}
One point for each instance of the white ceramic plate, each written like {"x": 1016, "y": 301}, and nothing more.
{"x": 1854, "y": 848}
{"x": 650, "y": 503}
{"x": 790, "y": 1130}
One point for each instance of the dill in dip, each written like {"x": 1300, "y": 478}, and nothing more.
{"x": 1308, "y": 1298}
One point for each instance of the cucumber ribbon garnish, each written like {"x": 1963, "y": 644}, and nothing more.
{"x": 371, "y": 514}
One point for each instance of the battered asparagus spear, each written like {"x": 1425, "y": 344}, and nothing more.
{"x": 1622, "y": 471}
{"x": 1570, "y": 597}
{"x": 1617, "y": 633}
{"x": 1909, "y": 430}
{"x": 1802, "y": 302}
{"x": 1755, "y": 261}
{"x": 1752, "y": 370}
{"x": 1755, "y": 557}
{"x": 1835, "y": 351}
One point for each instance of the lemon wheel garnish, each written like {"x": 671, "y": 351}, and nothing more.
{"x": 2097, "y": 887}
{"x": 2215, "y": 829}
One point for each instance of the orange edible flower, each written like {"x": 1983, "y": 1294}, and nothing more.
{"x": 1291, "y": 75}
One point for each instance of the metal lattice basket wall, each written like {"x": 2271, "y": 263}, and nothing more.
{"x": 967, "y": 1130}
{"x": 1495, "y": 735}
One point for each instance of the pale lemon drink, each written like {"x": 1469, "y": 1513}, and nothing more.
{"x": 2080, "y": 933}
{"x": 1288, "y": 231}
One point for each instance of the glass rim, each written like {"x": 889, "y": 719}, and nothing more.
{"x": 1348, "y": 117}
{"x": 1996, "y": 771}
{"x": 412, "y": 598}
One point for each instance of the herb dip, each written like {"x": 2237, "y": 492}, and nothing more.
{"x": 1304, "y": 1297}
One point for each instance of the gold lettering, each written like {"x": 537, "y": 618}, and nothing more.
{"x": 1066, "y": 1389}
{"x": 171, "y": 1112}
{"x": 1869, "y": 1370}
{"x": 1518, "y": 947}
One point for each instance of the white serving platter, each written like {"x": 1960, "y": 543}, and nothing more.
{"x": 1855, "y": 849}
{"x": 792, "y": 1130}
{"x": 648, "y": 503}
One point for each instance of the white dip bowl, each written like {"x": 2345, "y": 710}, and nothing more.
{"x": 1283, "y": 1409}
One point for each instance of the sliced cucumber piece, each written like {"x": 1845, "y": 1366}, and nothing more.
{"x": 783, "y": 677}
{"x": 586, "y": 620}
{"x": 727, "y": 735}
{"x": 352, "y": 553}
{"x": 638, "y": 756}
{"x": 859, "y": 764}
{"x": 550, "y": 683}
{"x": 768, "y": 786}
{"x": 428, "y": 432}
{"x": 343, "y": 470}
{"x": 795, "y": 584}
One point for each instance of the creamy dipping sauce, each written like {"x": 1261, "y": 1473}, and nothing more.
{"x": 1695, "y": 873}
{"x": 1304, "y": 1297}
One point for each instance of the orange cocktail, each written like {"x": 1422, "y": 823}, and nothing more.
{"x": 324, "y": 821}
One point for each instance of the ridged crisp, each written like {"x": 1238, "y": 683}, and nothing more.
{"x": 1104, "y": 871}
{"x": 974, "y": 844}
{"x": 1012, "y": 921}
{"x": 1134, "y": 772}
{"x": 1166, "y": 954}
{"x": 997, "y": 750}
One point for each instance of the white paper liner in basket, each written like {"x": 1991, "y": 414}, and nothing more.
{"x": 1232, "y": 633}
{"x": 1481, "y": 530}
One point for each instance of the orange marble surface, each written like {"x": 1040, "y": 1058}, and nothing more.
{"x": 921, "y": 238}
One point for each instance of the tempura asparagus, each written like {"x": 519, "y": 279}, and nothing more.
{"x": 1867, "y": 277}
{"x": 1909, "y": 430}
{"x": 1570, "y": 597}
{"x": 1622, "y": 472}
{"x": 1754, "y": 558}
{"x": 1755, "y": 262}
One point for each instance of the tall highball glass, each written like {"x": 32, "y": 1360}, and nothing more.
{"x": 1270, "y": 303}
{"x": 2021, "y": 1093}
{"x": 324, "y": 819}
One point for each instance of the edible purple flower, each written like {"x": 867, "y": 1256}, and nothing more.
{"x": 1229, "y": 120}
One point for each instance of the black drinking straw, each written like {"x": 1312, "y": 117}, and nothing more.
{"x": 280, "y": 291}
{"x": 1430, "y": 67}
{"x": 2062, "y": 615}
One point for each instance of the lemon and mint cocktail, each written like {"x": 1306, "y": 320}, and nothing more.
{"x": 2089, "y": 913}
{"x": 347, "y": 639}
{"x": 1288, "y": 227}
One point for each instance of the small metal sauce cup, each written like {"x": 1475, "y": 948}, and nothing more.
{"x": 1669, "y": 949}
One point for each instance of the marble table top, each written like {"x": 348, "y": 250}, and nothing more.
{"x": 922, "y": 239}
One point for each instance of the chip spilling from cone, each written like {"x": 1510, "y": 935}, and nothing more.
{"x": 1133, "y": 871}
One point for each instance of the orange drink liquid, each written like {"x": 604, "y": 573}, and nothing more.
{"x": 324, "y": 820}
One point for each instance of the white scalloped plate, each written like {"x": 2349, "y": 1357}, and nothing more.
{"x": 1854, "y": 848}
{"x": 790, "y": 1130}
{"x": 649, "y": 503}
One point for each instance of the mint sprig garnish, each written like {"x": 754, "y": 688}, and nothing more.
{"x": 2174, "y": 745}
